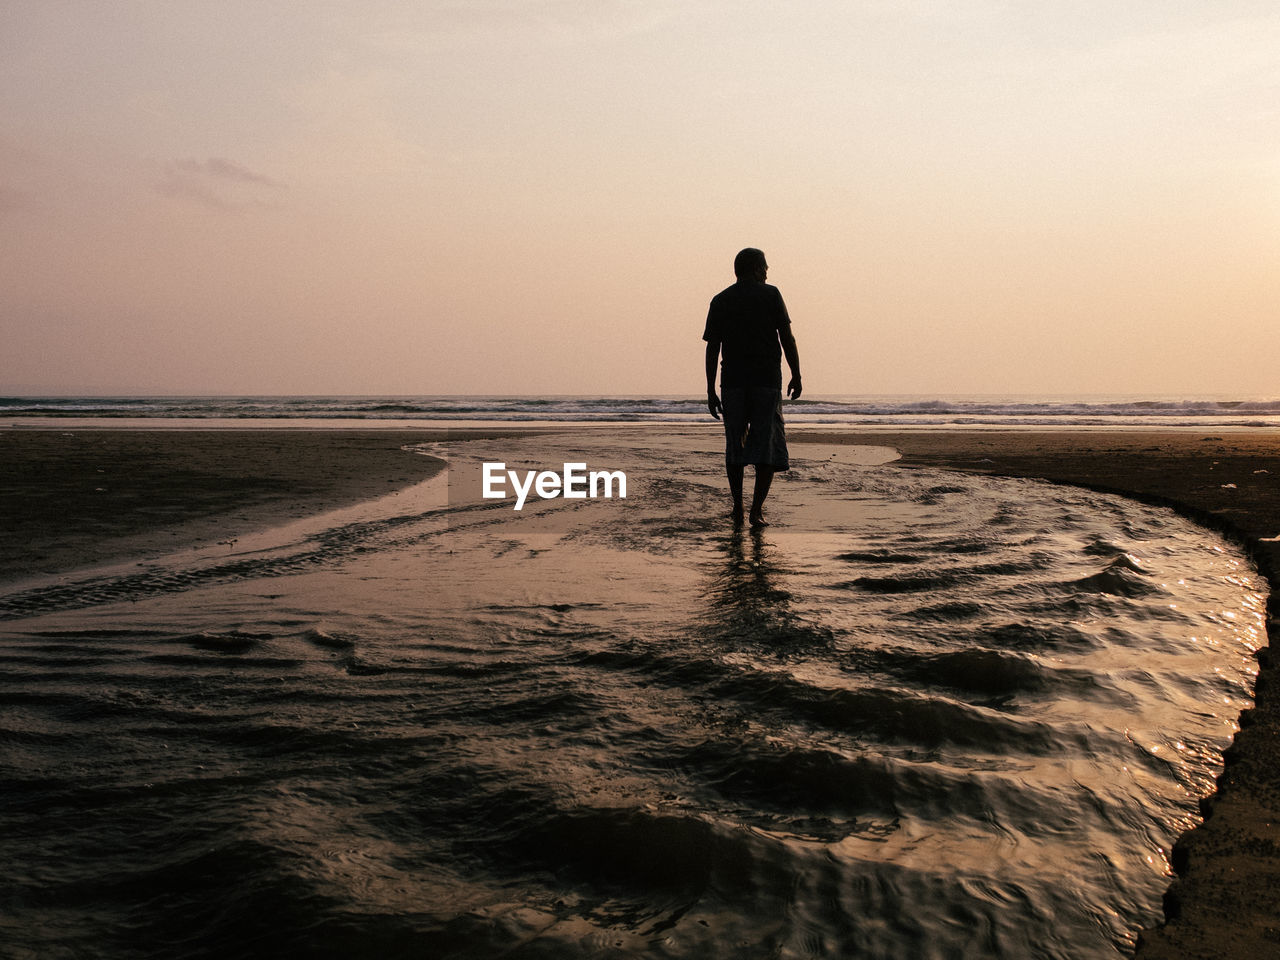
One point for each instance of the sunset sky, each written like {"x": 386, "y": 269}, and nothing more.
{"x": 533, "y": 196}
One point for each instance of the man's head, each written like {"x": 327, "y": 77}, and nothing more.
{"x": 750, "y": 264}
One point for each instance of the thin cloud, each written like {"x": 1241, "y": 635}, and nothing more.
{"x": 219, "y": 168}
{"x": 217, "y": 182}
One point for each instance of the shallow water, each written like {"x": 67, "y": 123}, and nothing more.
{"x": 923, "y": 715}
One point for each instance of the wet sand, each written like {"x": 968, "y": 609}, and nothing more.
{"x": 91, "y": 493}
{"x": 82, "y": 497}
{"x": 76, "y": 497}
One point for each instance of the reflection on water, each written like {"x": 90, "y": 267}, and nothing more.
{"x": 955, "y": 717}
{"x": 744, "y": 599}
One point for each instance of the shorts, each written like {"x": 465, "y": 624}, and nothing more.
{"x": 753, "y": 430}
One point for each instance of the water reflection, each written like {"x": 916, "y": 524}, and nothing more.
{"x": 747, "y": 600}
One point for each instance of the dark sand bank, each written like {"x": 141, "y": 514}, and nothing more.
{"x": 93, "y": 492}
{"x": 1226, "y": 900}
{"x": 80, "y": 497}
{"x": 73, "y": 497}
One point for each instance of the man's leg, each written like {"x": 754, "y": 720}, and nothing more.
{"x": 734, "y": 470}
{"x": 764, "y": 478}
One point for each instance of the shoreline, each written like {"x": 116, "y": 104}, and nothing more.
{"x": 94, "y": 492}
{"x": 74, "y": 496}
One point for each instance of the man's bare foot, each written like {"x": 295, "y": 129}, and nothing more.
{"x": 736, "y": 516}
{"x": 758, "y": 520}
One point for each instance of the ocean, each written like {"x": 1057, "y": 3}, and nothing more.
{"x": 1117, "y": 411}
{"x": 925, "y": 715}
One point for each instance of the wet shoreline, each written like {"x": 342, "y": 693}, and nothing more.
{"x": 231, "y": 481}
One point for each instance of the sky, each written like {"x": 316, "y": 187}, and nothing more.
{"x": 541, "y": 196}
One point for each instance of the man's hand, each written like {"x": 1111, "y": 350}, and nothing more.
{"x": 793, "y": 388}
{"x": 713, "y": 404}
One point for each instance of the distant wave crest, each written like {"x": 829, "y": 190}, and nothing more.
{"x": 844, "y": 410}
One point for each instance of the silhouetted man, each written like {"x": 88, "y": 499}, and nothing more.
{"x": 748, "y": 324}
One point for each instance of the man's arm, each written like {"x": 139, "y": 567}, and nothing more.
{"x": 713, "y": 355}
{"x": 789, "y": 351}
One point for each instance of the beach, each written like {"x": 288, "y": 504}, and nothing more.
{"x": 83, "y": 497}
{"x": 1221, "y": 905}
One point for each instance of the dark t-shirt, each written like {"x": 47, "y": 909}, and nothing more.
{"x": 745, "y": 320}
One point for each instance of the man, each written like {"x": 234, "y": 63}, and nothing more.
{"x": 748, "y": 324}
